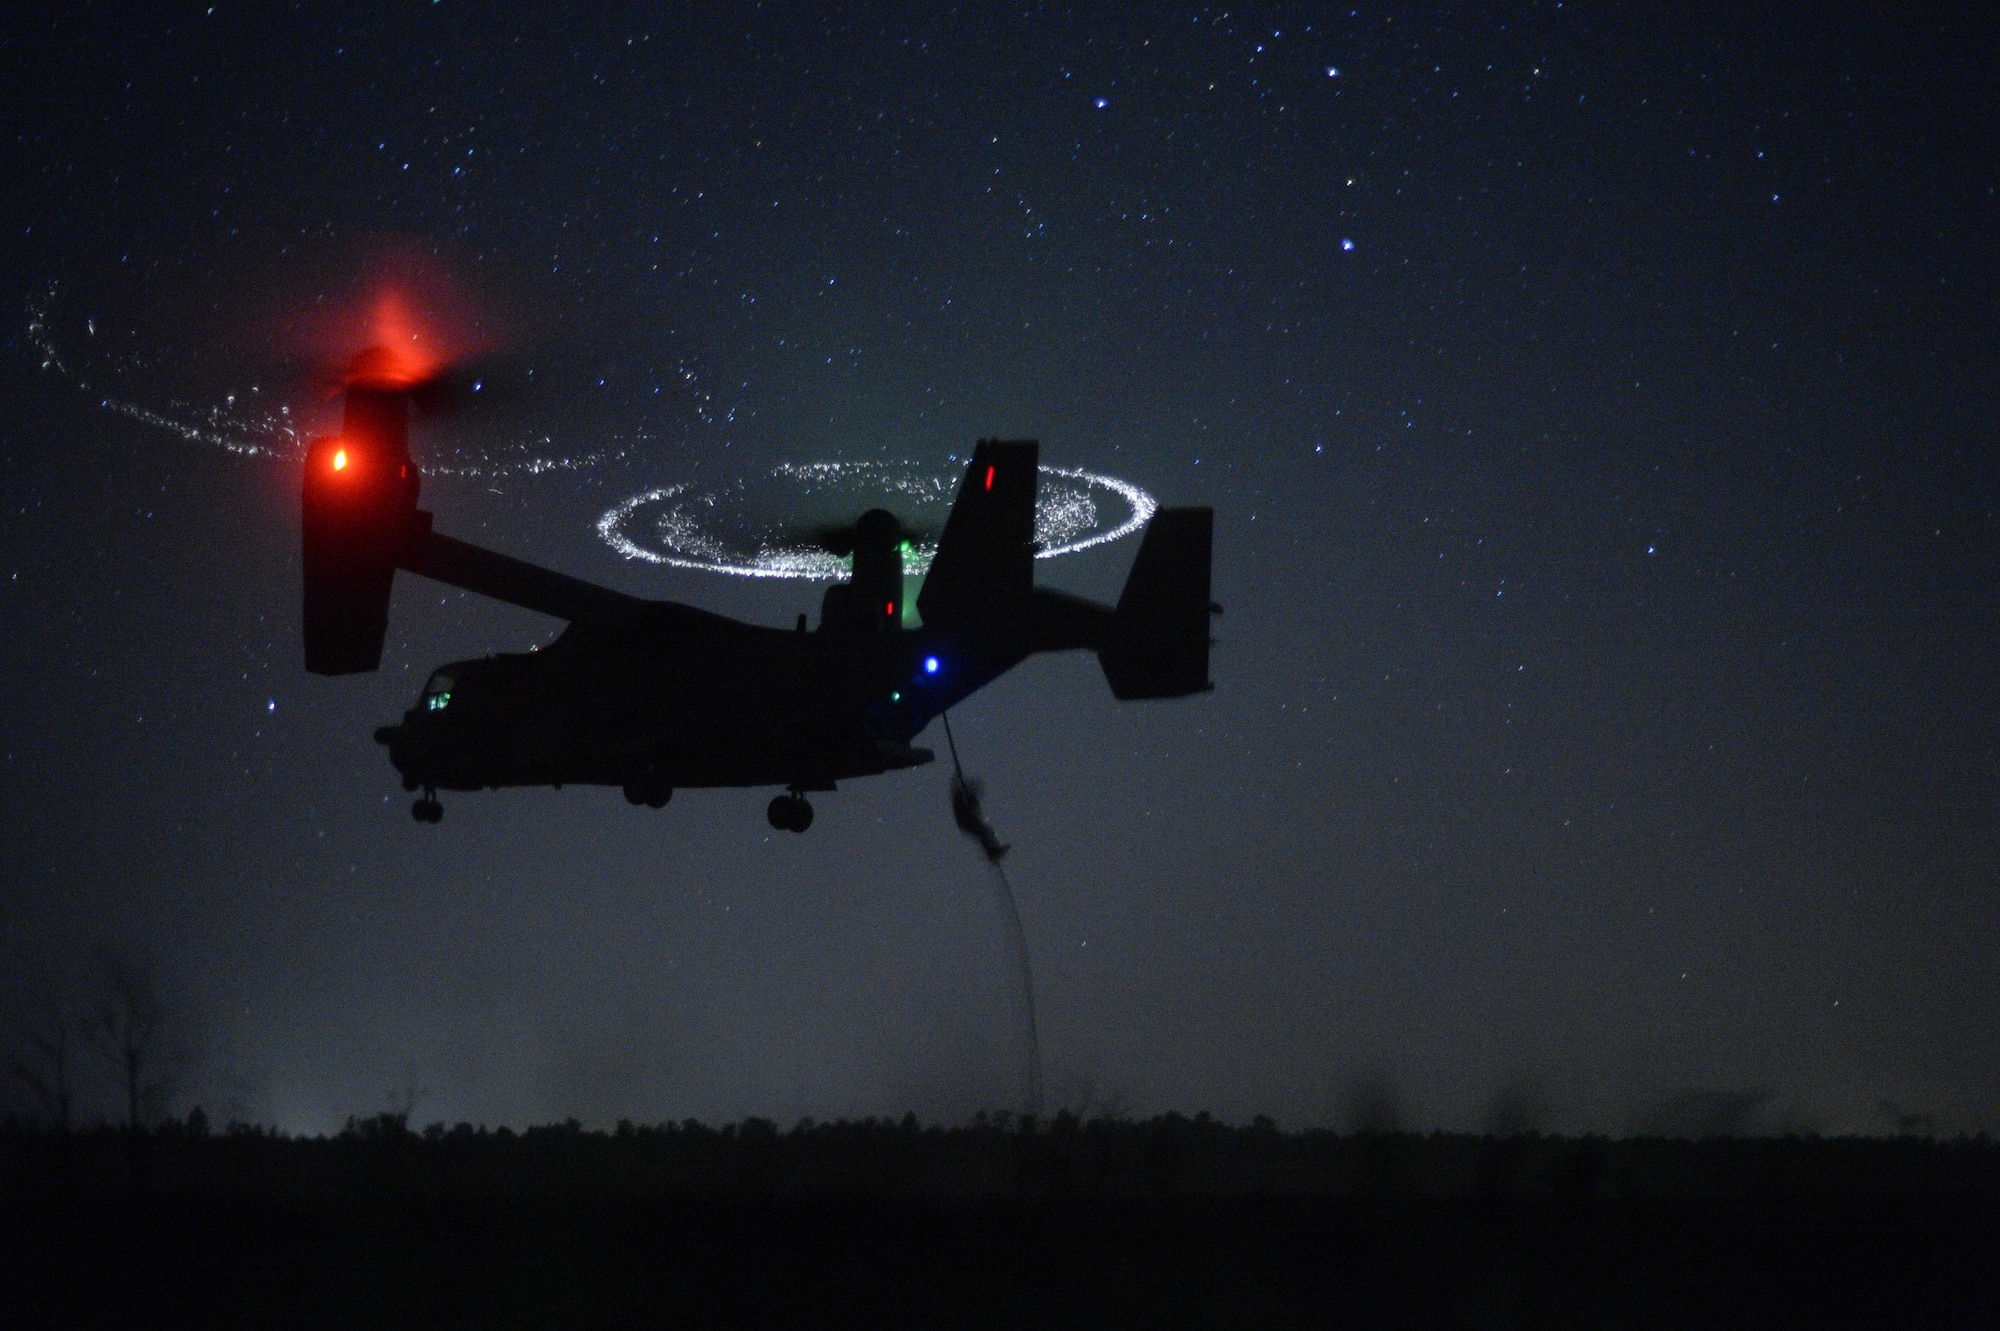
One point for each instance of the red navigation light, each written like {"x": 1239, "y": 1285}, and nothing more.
{"x": 889, "y": 608}
{"x": 989, "y": 479}
{"x": 340, "y": 459}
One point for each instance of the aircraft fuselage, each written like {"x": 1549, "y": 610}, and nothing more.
{"x": 727, "y": 704}
{"x": 655, "y": 695}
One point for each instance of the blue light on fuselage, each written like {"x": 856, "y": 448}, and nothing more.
{"x": 930, "y": 665}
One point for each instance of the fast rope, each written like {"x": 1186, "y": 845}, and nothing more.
{"x": 968, "y": 813}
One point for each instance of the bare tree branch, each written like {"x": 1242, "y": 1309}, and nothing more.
{"x": 46, "y": 1065}
{"x": 128, "y": 1030}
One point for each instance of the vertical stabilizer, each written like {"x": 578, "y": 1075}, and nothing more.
{"x": 987, "y": 553}
{"x": 1159, "y": 636}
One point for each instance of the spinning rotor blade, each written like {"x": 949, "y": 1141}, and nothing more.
{"x": 419, "y": 323}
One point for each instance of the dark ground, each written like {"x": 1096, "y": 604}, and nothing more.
{"x": 1171, "y": 1222}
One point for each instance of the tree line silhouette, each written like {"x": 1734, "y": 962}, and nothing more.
{"x": 116, "y": 1203}
{"x": 127, "y": 1047}
{"x": 994, "y": 1155}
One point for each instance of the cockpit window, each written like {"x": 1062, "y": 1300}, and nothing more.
{"x": 437, "y": 693}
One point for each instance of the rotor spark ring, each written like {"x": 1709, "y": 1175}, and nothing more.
{"x": 678, "y": 525}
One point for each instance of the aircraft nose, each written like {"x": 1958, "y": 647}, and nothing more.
{"x": 388, "y": 734}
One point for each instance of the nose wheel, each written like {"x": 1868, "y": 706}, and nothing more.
{"x": 427, "y": 809}
{"x": 790, "y": 813}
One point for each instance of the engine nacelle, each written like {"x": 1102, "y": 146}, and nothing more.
{"x": 872, "y": 600}
{"x": 359, "y": 505}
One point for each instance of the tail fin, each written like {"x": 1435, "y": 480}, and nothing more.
{"x": 1159, "y": 637}
{"x": 987, "y": 552}
{"x": 359, "y": 505}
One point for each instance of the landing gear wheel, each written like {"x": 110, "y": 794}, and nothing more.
{"x": 652, "y": 794}
{"x": 427, "y": 809}
{"x": 790, "y": 813}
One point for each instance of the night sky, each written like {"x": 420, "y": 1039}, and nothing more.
{"x": 1598, "y": 410}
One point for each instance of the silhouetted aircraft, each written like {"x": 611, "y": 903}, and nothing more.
{"x": 650, "y": 695}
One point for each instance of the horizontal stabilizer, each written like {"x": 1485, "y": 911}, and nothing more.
{"x": 1159, "y": 636}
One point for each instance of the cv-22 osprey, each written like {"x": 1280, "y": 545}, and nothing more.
{"x": 649, "y": 695}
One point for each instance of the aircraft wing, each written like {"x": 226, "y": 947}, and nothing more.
{"x": 532, "y": 587}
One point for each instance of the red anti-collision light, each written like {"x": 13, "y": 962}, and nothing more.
{"x": 989, "y": 478}
{"x": 340, "y": 459}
